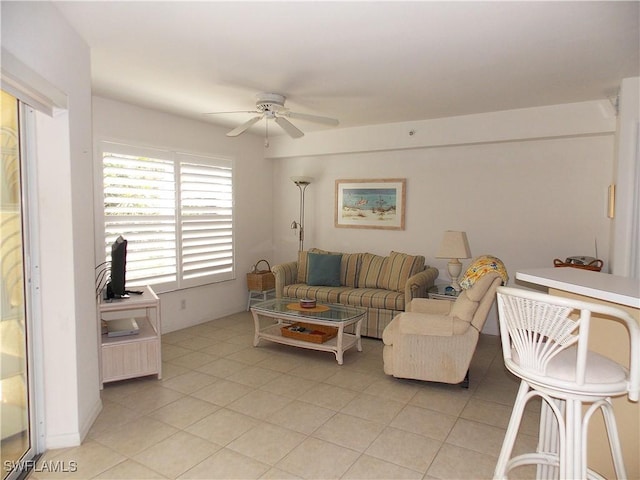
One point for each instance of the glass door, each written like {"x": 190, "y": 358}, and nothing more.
{"x": 15, "y": 425}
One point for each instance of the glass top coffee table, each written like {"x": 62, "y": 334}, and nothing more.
{"x": 283, "y": 320}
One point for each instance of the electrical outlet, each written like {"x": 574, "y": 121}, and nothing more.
{"x": 183, "y": 304}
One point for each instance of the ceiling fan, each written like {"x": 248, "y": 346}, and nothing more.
{"x": 270, "y": 106}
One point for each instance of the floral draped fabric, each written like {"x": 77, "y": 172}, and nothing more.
{"x": 480, "y": 266}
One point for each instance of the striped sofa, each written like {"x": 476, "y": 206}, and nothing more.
{"x": 381, "y": 285}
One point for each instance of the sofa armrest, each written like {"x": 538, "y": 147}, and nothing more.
{"x": 285, "y": 274}
{"x": 418, "y": 285}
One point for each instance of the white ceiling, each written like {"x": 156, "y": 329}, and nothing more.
{"x": 361, "y": 62}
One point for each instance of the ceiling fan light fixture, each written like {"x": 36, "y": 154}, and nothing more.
{"x": 270, "y": 102}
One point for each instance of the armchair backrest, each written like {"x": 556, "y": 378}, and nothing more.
{"x": 480, "y": 317}
{"x": 473, "y": 304}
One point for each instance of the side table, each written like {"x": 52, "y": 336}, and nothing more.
{"x": 259, "y": 296}
{"x": 136, "y": 355}
{"x": 441, "y": 292}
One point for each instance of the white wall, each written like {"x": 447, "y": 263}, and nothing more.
{"x": 526, "y": 201}
{"x": 626, "y": 231}
{"x": 126, "y": 123}
{"x": 37, "y": 35}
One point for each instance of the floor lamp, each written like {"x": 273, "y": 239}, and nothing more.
{"x": 302, "y": 183}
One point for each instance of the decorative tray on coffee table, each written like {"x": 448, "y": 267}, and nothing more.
{"x": 309, "y": 332}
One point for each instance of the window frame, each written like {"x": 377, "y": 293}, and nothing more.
{"x": 177, "y": 158}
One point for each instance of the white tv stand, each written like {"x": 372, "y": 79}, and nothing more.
{"x": 136, "y": 355}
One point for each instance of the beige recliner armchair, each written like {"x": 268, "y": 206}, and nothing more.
{"x": 434, "y": 340}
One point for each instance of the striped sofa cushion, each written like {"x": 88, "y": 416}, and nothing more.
{"x": 371, "y": 271}
{"x": 397, "y": 270}
{"x": 321, "y": 294}
{"x": 349, "y": 269}
{"x": 302, "y": 266}
{"x": 373, "y": 298}
{"x": 303, "y": 263}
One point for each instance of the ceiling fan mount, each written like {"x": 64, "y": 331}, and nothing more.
{"x": 270, "y": 102}
{"x": 270, "y": 106}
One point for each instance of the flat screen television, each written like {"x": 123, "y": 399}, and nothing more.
{"x": 116, "y": 288}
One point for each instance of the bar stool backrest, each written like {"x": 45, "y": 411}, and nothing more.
{"x": 537, "y": 327}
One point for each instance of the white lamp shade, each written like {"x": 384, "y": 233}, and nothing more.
{"x": 454, "y": 245}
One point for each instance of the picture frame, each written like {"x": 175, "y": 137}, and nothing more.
{"x": 370, "y": 203}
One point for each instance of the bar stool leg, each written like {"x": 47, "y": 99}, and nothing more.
{"x": 576, "y": 464}
{"x": 548, "y": 437}
{"x": 614, "y": 439}
{"x": 512, "y": 431}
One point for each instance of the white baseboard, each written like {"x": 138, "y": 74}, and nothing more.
{"x": 88, "y": 423}
{"x": 73, "y": 439}
{"x": 62, "y": 441}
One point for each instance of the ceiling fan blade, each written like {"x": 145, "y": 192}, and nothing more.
{"x": 245, "y": 126}
{"x": 313, "y": 118}
{"x": 289, "y": 127}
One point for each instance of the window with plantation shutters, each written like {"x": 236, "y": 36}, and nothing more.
{"x": 206, "y": 219}
{"x": 176, "y": 212}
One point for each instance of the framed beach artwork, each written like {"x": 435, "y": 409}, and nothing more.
{"x": 374, "y": 203}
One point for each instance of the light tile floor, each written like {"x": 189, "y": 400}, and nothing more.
{"x": 227, "y": 410}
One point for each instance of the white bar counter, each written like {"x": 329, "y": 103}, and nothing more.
{"x": 608, "y": 338}
{"x": 603, "y": 286}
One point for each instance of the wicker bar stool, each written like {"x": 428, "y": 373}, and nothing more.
{"x": 544, "y": 343}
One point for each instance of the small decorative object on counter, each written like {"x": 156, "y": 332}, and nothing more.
{"x": 585, "y": 263}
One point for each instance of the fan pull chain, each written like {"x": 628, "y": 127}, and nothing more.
{"x": 266, "y": 138}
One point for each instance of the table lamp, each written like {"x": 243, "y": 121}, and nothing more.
{"x": 454, "y": 246}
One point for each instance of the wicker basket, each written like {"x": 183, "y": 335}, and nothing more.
{"x": 261, "y": 280}
{"x": 594, "y": 266}
{"x": 312, "y": 333}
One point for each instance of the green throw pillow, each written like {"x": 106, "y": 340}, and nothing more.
{"x": 323, "y": 269}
